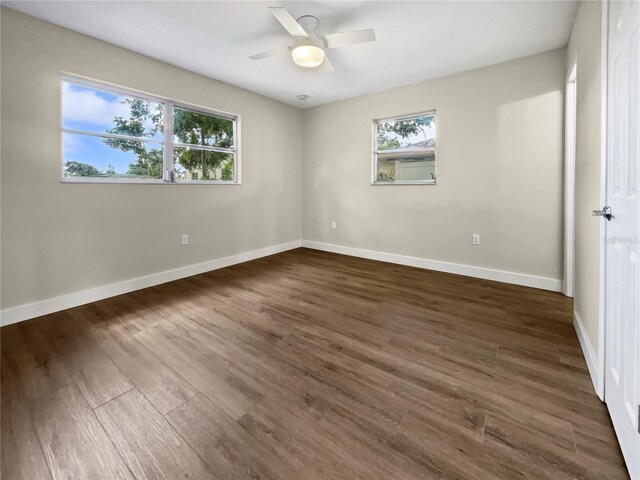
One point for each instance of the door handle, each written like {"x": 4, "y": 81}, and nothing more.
{"x": 605, "y": 212}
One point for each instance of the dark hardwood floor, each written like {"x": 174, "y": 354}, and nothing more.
{"x": 306, "y": 365}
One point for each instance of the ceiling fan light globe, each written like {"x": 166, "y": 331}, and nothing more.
{"x": 308, "y": 56}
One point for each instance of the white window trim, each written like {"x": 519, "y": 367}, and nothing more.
{"x": 167, "y": 143}
{"x": 374, "y": 151}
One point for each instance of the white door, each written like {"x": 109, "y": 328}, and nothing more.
{"x": 622, "y": 287}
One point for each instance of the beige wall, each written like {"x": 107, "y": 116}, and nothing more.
{"x": 499, "y": 172}
{"x": 585, "y": 48}
{"x": 499, "y": 164}
{"x": 61, "y": 238}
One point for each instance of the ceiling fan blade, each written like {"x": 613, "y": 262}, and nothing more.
{"x": 270, "y": 53}
{"x": 288, "y": 22}
{"x": 349, "y": 38}
{"x": 327, "y": 66}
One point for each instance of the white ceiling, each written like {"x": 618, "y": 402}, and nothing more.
{"x": 416, "y": 40}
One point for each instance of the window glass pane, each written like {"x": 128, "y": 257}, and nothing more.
{"x": 197, "y": 128}
{"x": 197, "y": 164}
{"x": 102, "y": 111}
{"x": 89, "y": 156}
{"x": 400, "y": 166}
{"x": 411, "y": 133}
{"x": 406, "y": 149}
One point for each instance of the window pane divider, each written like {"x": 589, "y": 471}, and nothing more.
{"x": 114, "y": 136}
{"x": 169, "y": 173}
{"x": 415, "y": 150}
{"x": 204, "y": 147}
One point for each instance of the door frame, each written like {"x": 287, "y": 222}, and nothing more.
{"x": 602, "y": 320}
{"x": 570, "y": 133}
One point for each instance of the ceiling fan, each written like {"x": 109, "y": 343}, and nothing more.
{"x": 309, "y": 48}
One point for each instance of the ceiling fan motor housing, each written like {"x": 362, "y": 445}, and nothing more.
{"x": 311, "y": 41}
{"x": 309, "y": 23}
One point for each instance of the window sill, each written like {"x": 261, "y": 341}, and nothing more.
{"x": 412, "y": 182}
{"x": 105, "y": 181}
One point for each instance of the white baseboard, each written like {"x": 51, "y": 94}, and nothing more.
{"x": 467, "y": 270}
{"x": 590, "y": 356}
{"x": 55, "y": 304}
{"x": 50, "y": 305}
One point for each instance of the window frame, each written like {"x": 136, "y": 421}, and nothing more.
{"x": 375, "y": 151}
{"x": 168, "y": 144}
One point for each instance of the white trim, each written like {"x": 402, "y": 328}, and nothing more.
{"x": 404, "y": 182}
{"x": 75, "y": 131}
{"x": 407, "y": 116}
{"x": 589, "y": 353}
{"x": 168, "y": 142}
{"x": 456, "y": 268}
{"x": 600, "y": 387}
{"x": 374, "y": 156}
{"x": 208, "y": 148}
{"x": 570, "y": 117}
{"x": 106, "y": 180}
{"x": 55, "y": 304}
{"x": 132, "y": 92}
{"x": 143, "y": 181}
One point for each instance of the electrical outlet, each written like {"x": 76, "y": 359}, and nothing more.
{"x": 334, "y": 225}
{"x": 475, "y": 239}
{"x": 184, "y": 240}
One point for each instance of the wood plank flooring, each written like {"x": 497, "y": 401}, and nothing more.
{"x": 306, "y": 365}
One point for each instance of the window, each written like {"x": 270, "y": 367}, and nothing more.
{"x": 111, "y": 135}
{"x": 405, "y": 150}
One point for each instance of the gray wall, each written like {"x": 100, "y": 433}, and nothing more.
{"x": 61, "y": 238}
{"x": 585, "y": 48}
{"x": 499, "y": 172}
{"x": 499, "y": 165}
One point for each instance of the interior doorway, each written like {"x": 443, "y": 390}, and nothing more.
{"x": 570, "y": 182}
